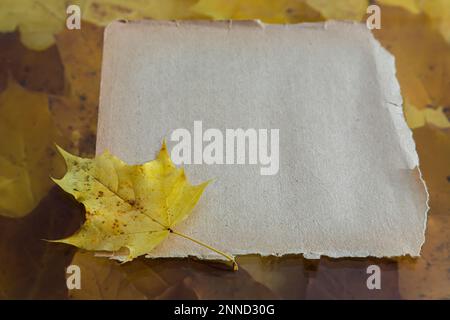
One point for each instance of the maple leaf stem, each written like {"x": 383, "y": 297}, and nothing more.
{"x": 229, "y": 257}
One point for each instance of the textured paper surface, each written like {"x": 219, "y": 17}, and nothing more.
{"x": 348, "y": 182}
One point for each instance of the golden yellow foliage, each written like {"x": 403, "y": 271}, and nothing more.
{"x": 40, "y": 20}
{"x": 283, "y": 11}
{"x": 37, "y": 20}
{"x": 412, "y": 6}
{"x": 422, "y": 57}
{"x": 27, "y": 153}
{"x": 129, "y": 209}
{"x": 437, "y": 12}
{"x": 417, "y": 118}
{"x": 102, "y": 12}
{"x": 427, "y": 277}
{"x": 34, "y": 70}
{"x": 340, "y": 9}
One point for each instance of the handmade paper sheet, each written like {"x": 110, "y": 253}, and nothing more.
{"x": 324, "y": 163}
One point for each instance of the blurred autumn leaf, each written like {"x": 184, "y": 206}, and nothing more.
{"x": 106, "y": 279}
{"x": 429, "y": 276}
{"x": 347, "y": 279}
{"x": 290, "y": 277}
{"x": 340, "y": 9}
{"x": 164, "y": 279}
{"x": 285, "y": 276}
{"x": 284, "y": 11}
{"x": 102, "y": 12}
{"x": 76, "y": 111}
{"x": 27, "y": 152}
{"x": 39, "y": 20}
{"x": 34, "y": 70}
{"x": 31, "y": 268}
{"x": 417, "y": 118}
{"x": 423, "y": 69}
{"x": 412, "y": 6}
{"x": 437, "y": 12}
{"x": 422, "y": 57}
{"x": 36, "y": 20}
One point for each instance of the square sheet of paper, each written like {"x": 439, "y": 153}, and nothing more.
{"x": 347, "y": 184}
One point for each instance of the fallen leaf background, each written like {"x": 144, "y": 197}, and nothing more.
{"x": 62, "y": 66}
{"x": 76, "y": 110}
{"x": 27, "y": 150}
{"x": 31, "y": 268}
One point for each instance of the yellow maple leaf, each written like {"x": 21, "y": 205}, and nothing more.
{"x": 27, "y": 153}
{"x": 131, "y": 207}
